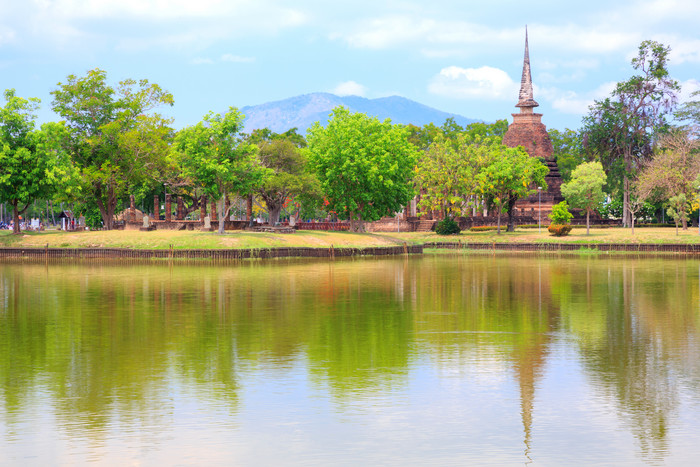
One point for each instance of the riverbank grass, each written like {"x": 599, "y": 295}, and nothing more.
{"x": 164, "y": 239}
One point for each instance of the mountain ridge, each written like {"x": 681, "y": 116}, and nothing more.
{"x": 303, "y": 110}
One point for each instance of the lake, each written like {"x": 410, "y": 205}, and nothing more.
{"x": 439, "y": 359}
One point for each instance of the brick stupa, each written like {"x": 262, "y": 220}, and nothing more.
{"x": 528, "y": 131}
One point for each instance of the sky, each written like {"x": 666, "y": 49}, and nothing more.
{"x": 454, "y": 55}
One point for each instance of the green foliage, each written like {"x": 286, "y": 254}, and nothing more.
{"x": 447, "y": 226}
{"x": 690, "y": 111}
{"x": 116, "y": 141}
{"x": 560, "y": 213}
{"x": 585, "y": 190}
{"x": 621, "y": 129}
{"x": 289, "y": 175}
{"x": 509, "y": 175}
{"x": 568, "y": 151}
{"x": 215, "y": 158}
{"x": 365, "y": 166}
{"x": 33, "y": 164}
{"x": 559, "y": 230}
{"x": 678, "y": 208}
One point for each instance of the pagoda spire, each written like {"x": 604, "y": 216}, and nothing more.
{"x": 526, "y": 100}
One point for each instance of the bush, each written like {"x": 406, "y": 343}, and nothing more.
{"x": 559, "y": 230}
{"x": 560, "y": 214}
{"x": 447, "y": 226}
{"x": 482, "y": 228}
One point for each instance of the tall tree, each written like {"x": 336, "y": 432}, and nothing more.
{"x": 585, "y": 190}
{"x": 622, "y": 128}
{"x": 33, "y": 164}
{"x": 117, "y": 141}
{"x": 672, "y": 172}
{"x": 214, "y": 156}
{"x": 511, "y": 175}
{"x": 365, "y": 166}
{"x": 289, "y": 174}
{"x": 447, "y": 171}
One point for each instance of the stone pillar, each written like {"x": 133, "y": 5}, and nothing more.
{"x": 168, "y": 208}
{"x": 180, "y": 209}
{"x": 203, "y": 207}
{"x": 132, "y": 209}
{"x": 213, "y": 211}
{"x": 156, "y": 208}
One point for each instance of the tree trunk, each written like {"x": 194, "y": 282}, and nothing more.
{"x": 249, "y": 210}
{"x": 15, "y": 217}
{"x": 274, "y": 210}
{"x": 625, "y": 202}
{"x": 685, "y": 223}
{"x": 511, "y": 218}
{"x": 588, "y": 222}
{"x": 221, "y": 203}
{"x": 498, "y": 224}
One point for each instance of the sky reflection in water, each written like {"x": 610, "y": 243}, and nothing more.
{"x": 440, "y": 360}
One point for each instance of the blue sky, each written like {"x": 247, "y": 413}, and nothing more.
{"x": 457, "y": 56}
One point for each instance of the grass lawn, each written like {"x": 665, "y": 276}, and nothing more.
{"x": 162, "y": 239}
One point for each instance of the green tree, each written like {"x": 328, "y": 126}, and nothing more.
{"x": 678, "y": 208}
{"x": 289, "y": 175}
{"x": 622, "y": 128}
{"x": 33, "y": 164}
{"x": 690, "y": 111}
{"x": 510, "y": 175}
{"x": 585, "y": 190}
{"x": 672, "y": 171}
{"x": 117, "y": 142}
{"x": 365, "y": 166}
{"x": 214, "y": 156}
{"x": 568, "y": 151}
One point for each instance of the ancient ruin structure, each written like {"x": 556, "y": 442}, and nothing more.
{"x": 528, "y": 131}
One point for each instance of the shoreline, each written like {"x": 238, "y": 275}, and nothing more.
{"x": 234, "y": 254}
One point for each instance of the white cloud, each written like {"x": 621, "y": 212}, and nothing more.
{"x": 350, "y": 88}
{"x": 236, "y": 58}
{"x": 687, "y": 88}
{"x": 570, "y": 102}
{"x": 474, "y": 83}
{"x": 202, "y": 61}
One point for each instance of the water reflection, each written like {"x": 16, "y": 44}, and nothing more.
{"x": 504, "y": 351}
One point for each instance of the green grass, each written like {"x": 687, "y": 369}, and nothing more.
{"x": 320, "y": 239}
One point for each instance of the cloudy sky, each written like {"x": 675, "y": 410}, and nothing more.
{"x": 454, "y": 55}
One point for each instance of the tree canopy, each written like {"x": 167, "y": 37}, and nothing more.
{"x": 365, "y": 166}
{"x": 116, "y": 140}
{"x": 215, "y": 157}
{"x": 33, "y": 164}
{"x": 622, "y": 128}
{"x": 585, "y": 189}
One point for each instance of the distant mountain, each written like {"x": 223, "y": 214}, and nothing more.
{"x": 302, "y": 111}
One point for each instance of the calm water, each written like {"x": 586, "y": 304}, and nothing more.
{"x": 439, "y": 360}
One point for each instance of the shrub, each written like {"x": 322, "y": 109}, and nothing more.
{"x": 559, "y": 230}
{"x": 482, "y": 228}
{"x": 447, "y": 226}
{"x": 560, "y": 214}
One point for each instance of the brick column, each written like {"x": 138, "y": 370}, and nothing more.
{"x": 168, "y": 208}
{"x": 156, "y": 208}
{"x": 213, "y": 211}
{"x": 180, "y": 208}
{"x": 132, "y": 209}
{"x": 203, "y": 207}
{"x": 249, "y": 209}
